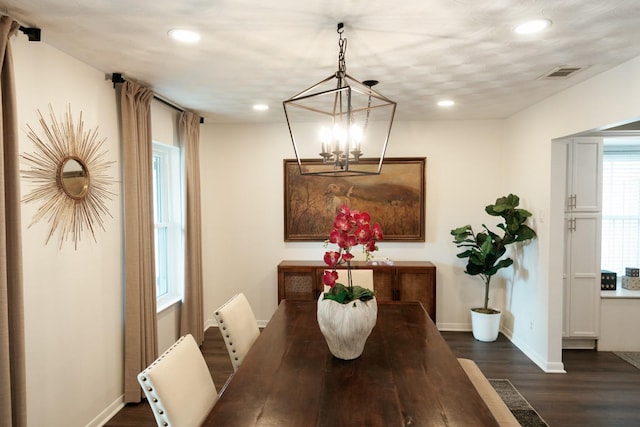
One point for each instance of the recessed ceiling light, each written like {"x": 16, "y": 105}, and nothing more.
{"x": 533, "y": 26}
{"x": 260, "y": 107}
{"x": 446, "y": 103}
{"x": 186, "y": 36}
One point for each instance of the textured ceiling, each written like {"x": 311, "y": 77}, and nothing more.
{"x": 266, "y": 51}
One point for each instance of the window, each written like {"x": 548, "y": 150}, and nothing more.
{"x": 620, "y": 208}
{"x": 167, "y": 214}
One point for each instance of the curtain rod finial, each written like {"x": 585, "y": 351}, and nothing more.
{"x": 117, "y": 78}
{"x": 33, "y": 34}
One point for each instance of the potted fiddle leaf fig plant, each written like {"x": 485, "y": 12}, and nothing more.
{"x": 484, "y": 252}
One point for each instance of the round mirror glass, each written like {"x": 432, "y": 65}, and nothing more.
{"x": 74, "y": 178}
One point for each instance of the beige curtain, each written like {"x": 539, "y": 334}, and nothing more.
{"x": 13, "y": 396}
{"x": 140, "y": 336}
{"x": 192, "y": 318}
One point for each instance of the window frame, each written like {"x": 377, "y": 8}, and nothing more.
{"x": 171, "y": 220}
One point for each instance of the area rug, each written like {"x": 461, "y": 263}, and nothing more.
{"x": 517, "y": 404}
{"x": 632, "y": 357}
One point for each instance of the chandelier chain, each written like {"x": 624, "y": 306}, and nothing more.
{"x": 342, "y": 65}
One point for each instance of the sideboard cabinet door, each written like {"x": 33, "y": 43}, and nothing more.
{"x": 383, "y": 284}
{"x": 414, "y": 284}
{"x": 297, "y": 283}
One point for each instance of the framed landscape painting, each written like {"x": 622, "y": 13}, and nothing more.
{"x": 395, "y": 199}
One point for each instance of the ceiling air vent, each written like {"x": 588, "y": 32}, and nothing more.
{"x": 561, "y": 73}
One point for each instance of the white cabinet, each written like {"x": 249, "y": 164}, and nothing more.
{"x": 619, "y": 317}
{"x": 582, "y": 239}
{"x": 582, "y": 276}
{"x": 584, "y": 175}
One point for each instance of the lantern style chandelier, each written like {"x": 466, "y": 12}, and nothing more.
{"x": 340, "y": 126}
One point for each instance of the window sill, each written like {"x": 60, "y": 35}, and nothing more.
{"x": 620, "y": 292}
{"x": 163, "y": 303}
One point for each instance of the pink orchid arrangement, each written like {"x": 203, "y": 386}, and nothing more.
{"x": 350, "y": 228}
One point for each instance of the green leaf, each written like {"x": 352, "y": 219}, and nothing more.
{"x": 503, "y": 263}
{"x": 486, "y": 247}
{"x": 362, "y": 294}
{"x": 341, "y": 293}
{"x": 465, "y": 254}
{"x": 525, "y": 233}
{"x": 462, "y": 234}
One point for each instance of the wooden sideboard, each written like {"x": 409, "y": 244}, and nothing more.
{"x": 402, "y": 281}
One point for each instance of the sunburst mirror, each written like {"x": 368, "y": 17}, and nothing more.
{"x": 69, "y": 172}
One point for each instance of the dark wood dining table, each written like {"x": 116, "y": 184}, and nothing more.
{"x": 406, "y": 376}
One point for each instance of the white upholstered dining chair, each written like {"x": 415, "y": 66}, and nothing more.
{"x": 238, "y": 327}
{"x": 178, "y": 385}
{"x": 360, "y": 277}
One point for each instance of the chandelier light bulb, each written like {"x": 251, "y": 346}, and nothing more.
{"x": 325, "y": 138}
{"x": 356, "y": 137}
{"x": 340, "y": 135}
{"x": 356, "y": 133}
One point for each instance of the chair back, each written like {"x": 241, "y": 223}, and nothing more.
{"x": 360, "y": 277}
{"x": 238, "y": 327}
{"x": 178, "y": 385}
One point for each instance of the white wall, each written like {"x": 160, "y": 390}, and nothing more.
{"x": 537, "y": 171}
{"x": 242, "y": 176}
{"x": 73, "y": 298}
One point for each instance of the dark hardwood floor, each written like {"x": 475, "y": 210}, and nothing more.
{"x": 599, "y": 388}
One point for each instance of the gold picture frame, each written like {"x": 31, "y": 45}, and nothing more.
{"x": 70, "y": 175}
{"x": 395, "y": 199}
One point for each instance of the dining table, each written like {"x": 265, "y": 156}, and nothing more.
{"x": 406, "y": 376}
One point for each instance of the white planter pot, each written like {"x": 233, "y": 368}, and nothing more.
{"x": 485, "y": 326}
{"x": 346, "y": 327}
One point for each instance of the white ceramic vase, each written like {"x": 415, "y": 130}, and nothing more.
{"x": 485, "y": 326}
{"x": 346, "y": 327}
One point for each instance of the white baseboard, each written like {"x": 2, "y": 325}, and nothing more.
{"x": 543, "y": 363}
{"x": 212, "y": 322}
{"x": 107, "y": 413}
{"x": 454, "y": 327}
{"x": 579, "y": 343}
{"x": 209, "y": 323}
{"x": 507, "y": 332}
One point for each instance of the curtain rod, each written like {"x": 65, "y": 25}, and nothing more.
{"x": 118, "y": 78}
